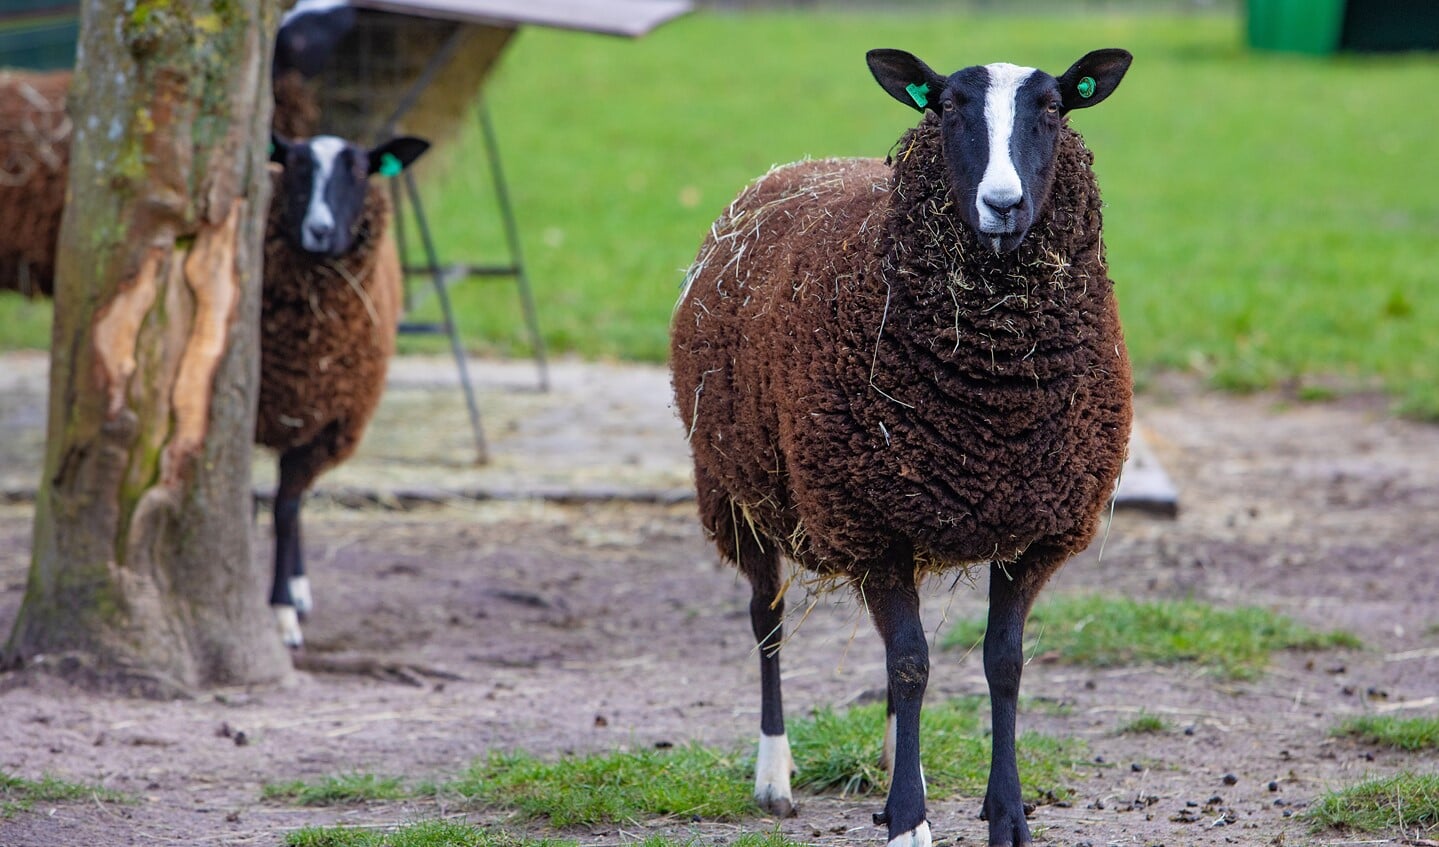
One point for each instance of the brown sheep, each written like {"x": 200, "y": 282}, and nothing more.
{"x": 35, "y": 134}
{"x": 35, "y": 137}
{"x": 331, "y": 304}
{"x": 890, "y": 369}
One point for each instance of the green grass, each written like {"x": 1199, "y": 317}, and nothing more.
{"x": 446, "y": 833}
{"x": 1406, "y": 801}
{"x": 337, "y": 790}
{"x": 840, "y": 751}
{"x": 1109, "y": 632}
{"x": 1408, "y": 734}
{"x": 1270, "y": 217}
{"x": 21, "y": 795}
{"x": 434, "y": 833}
{"x": 614, "y": 787}
{"x": 833, "y": 751}
{"x": 1144, "y": 724}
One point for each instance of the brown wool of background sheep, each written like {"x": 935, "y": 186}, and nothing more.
{"x": 34, "y": 165}
{"x": 35, "y": 136}
{"x": 877, "y": 391}
{"x": 329, "y": 313}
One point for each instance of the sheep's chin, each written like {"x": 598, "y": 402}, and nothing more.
{"x": 1003, "y": 242}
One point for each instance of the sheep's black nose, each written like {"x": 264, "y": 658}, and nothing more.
{"x": 1003, "y": 204}
{"x": 319, "y": 232}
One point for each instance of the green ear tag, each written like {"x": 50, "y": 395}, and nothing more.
{"x": 919, "y": 92}
{"x": 390, "y": 165}
{"x": 1086, "y": 87}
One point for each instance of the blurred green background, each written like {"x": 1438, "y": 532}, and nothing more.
{"x": 1272, "y": 219}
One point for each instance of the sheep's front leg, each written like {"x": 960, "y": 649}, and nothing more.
{"x": 1009, "y": 603}
{"x": 290, "y": 596}
{"x": 283, "y": 592}
{"x": 895, "y": 609}
{"x": 766, "y": 610}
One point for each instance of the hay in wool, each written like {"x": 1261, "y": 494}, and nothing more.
{"x": 862, "y": 375}
{"x": 327, "y": 332}
{"x": 34, "y": 166}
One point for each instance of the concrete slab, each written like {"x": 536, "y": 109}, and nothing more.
{"x": 604, "y": 431}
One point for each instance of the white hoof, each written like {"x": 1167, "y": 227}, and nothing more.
{"x": 289, "y": 621}
{"x": 772, "y": 769}
{"x": 917, "y": 837}
{"x": 300, "y": 593}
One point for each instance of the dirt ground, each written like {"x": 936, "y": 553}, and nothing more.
{"x": 554, "y": 613}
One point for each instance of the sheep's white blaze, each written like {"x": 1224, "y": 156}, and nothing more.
{"x": 1000, "y": 185}
{"x": 325, "y": 148}
{"x": 772, "y": 769}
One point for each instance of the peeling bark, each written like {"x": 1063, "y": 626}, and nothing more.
{"x": 210, "y": 274}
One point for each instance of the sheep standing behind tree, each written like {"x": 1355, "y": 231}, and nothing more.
{"x": 34, "y": 165}
{"x": 894, "y": 369}
{"x": 35, "y": 138}
{"x": 332, "y": 296}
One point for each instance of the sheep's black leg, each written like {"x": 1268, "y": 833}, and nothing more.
{"x": 895, "y": 608}
{"x": 1009, "y": 602}
{"x": 766, "y": 612}
{"x": 290, "y": 593}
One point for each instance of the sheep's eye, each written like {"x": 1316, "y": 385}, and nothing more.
{"x": 948, "y": 104}
{"x": 1053, "y": 106}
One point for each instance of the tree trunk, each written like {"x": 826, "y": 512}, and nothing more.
{"x": 141, "y": 576}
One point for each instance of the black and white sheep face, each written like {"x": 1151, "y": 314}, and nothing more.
{"x": 324, "y": 186}
{"x": 1000, "y": 124}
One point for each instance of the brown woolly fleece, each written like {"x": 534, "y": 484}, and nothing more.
{"x": 865, "y": 381}
{"x": 34, "y": 166}
{"x": 35, "y": 141}
{"x": 327, "y": 331}
{"x": 297, "y": 105}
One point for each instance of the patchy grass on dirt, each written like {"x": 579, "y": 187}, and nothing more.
{"x": 1408, "y": 734}
{"x": 1405, "y": 801}
{"x": 337, "y": 790}
{"x": 21, "y": 795}
{"x": 448, "y": 833}
{"x": 435, "y": 833}
{"x": 840, "y": 751}
{"x": 613, "y": 787}
{"x": 1111, "y": 631}
{"x": 1144, "y": 723}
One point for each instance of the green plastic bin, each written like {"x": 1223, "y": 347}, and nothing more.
{"x": 1296, "y": 26}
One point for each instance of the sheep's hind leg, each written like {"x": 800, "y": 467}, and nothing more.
{"x": 766, "y": 611}
{"x": 1012, "y": 589}
{"x": 894, "y": 604}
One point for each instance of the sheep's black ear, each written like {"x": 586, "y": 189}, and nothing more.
{"x": 396, "y": 154}
{"x": 279, "y": 147}
{"x": 906, "y": 78}
{"x": 1093, "y": 78}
